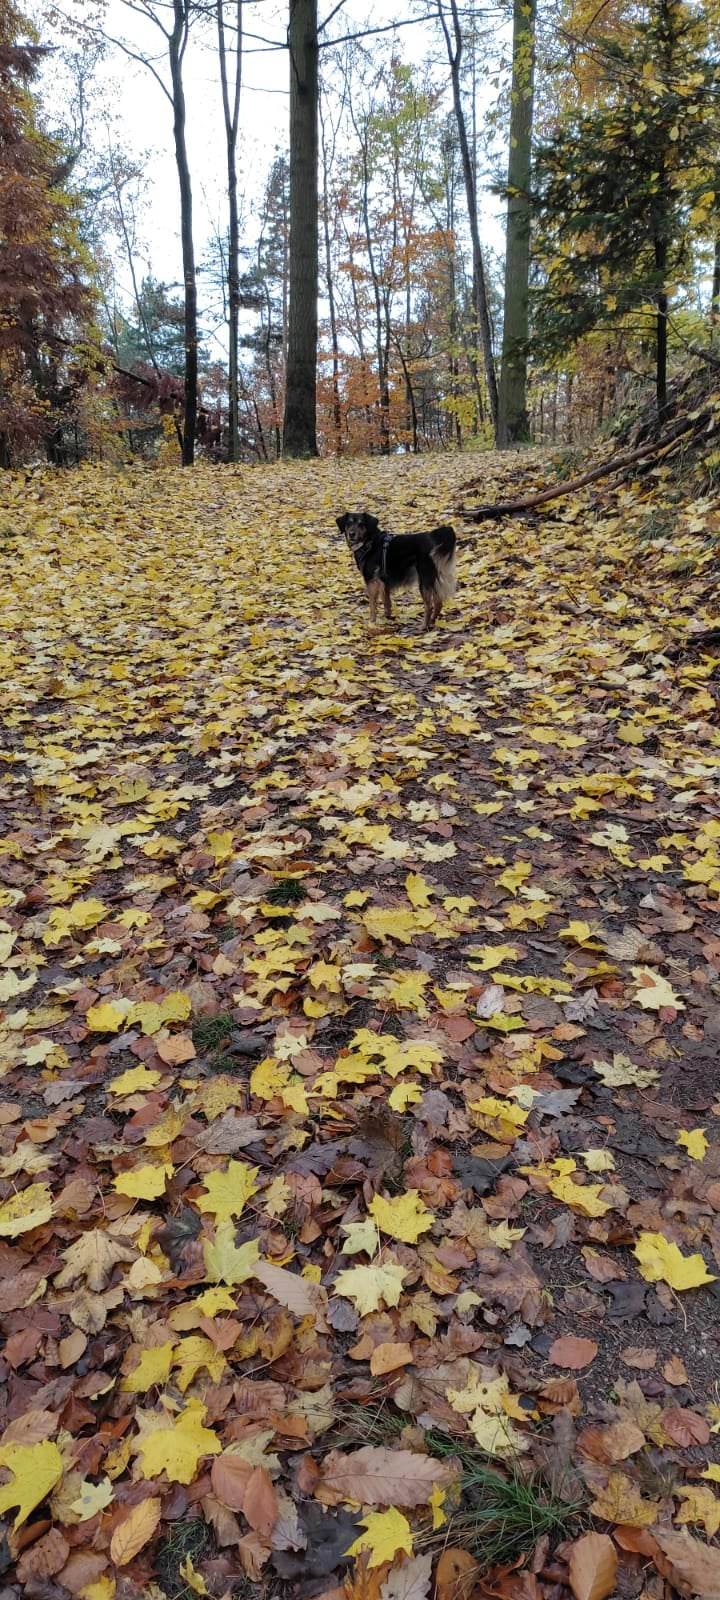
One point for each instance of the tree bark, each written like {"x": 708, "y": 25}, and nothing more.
{"x": 231, "y": 114}
{"x": 715, "y": 296}
{"x": 299, "y": 431}
{"x": 177, "y": 41}
{"x": 335, "y": 345}
{"x": 454, "y": 48}
{"x": 513, "y": 425}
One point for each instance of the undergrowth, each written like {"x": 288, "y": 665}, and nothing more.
{"x": 498, "y": 1514}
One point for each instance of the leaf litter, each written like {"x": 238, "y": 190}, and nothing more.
{"x": 359, "y": 1018}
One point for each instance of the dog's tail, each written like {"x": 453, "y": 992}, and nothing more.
{"x": 443, "y": 546}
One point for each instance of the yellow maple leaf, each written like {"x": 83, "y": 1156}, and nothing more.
{"x": 654, "y": 991}
{"x": 404, "y": 1095}
{"x": 661, "y": 1259}
{"x": 502, "y": 1119}
{"x": 226, "y": 1262}
{"x": 487, "y": 957}
{"x": 28, "y": 1209}
{"x": 701, "y": 1505}
{"x": 360, "y": 1236}
{"x": 192, "y": 1354}
{"x": 514, "y": 876}
{"x": 109, "y": 1016}
{"x": 385, "y": 1534}
{"x": 35, "y": 1468}
{"x": 394, "y": 922}
{"x": 177, "y": 1448}
{"x": 621, "y": 1501}
{"x": 405, "y": 990}
{"x": 152, "y": 1369}
{"x": 580, "y": 1197}
{"x": 144, "y": 1183}
{"x": 580, "y": 933}
{"x": 418, "y": 891}
{"x": 404, "y": 1218}
{"x": 269, "y": 1077}
{"x": 371, "y": 1287}
{"x": 226, "y": 1192}
{"x": 695, "y": 1142}
{"x": 488, "y": 1404}
{"x": 93, "y": 1497}
{"x": 134, "y": 1080}
{"x": 621, "y": 1070}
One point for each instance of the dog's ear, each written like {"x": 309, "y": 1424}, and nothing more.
{"x": 371, "y": 523}
{"x": 342, "y": 521}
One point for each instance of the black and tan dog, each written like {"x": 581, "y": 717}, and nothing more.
{"x": 389, "y": 562}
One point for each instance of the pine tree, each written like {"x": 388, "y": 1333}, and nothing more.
{"x": 621, "y": 189}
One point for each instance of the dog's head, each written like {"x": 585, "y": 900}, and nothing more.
{"x": 358, "y": 527}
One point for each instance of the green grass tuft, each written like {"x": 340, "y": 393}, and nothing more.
{"x": 210, "y": 1033}
{"x": 499, "y": 1513}
{"x": 286, "y": 892}
{"x": 190, "y": 1537}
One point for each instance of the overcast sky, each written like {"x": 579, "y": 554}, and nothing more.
{"x": 141, "y": 115}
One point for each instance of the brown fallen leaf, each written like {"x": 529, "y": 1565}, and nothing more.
{"x": 175, "y": 1050}
{"x": 303, "y": 1298}
{"x": 260, "y": 1505}
{"x": 641, "y": 1356}
{"x": 230, "y": 1475}
{"x": 694, "y": 1564}
{"x": 388, "y": 1357}
{"x": 456, "y": 1575}
{"x": 674, "y": 1371}
{"x": 685, "y": 1427}
{"x": 376, "y": 1476}
{"x": 135, "y": 1530}
{"x": 592, "y": 1567}
{"x": 572, "y": 1352}
{"x": 45, "y": 1558}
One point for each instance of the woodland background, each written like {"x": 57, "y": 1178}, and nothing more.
{"x": 594, "y": 125}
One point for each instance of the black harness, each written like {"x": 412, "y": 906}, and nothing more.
{"x": 386, "y": 540}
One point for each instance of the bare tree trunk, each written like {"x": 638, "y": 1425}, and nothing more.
{"x": 299, "y": 432}
{"x": 454, "y": 47}
{"x": 380, "y": 343}
{"x": 513, "y": 427}
{"x": 177, "y": 42}
{"x": 337, "y": 414}
{"x": 231, "y": 114}
{"x": 715, "y": 296}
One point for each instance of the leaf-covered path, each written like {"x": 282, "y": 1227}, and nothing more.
{"x": 359, "y": 1025}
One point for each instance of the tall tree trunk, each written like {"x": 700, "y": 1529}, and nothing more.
{"x": 334, "y": 342}
{"x": 513, "y": 427}
{"x": 454, "y": 48}
{"x": 231, "y": 114}
{"x": 381, "y": 344}
{"x": 715, "y": 296}
{"x": 299, "y": 432}
{"x": 177, "y": 41}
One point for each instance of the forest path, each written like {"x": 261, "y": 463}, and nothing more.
{"x": 295, "y": 915}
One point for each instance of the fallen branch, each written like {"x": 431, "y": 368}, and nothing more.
{"x": 507, "y": 508}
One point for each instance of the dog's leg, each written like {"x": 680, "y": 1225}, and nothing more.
{"x": 374, "y": 590}
{"x": 428, "y": 601}
{"x": 386, "y": 601}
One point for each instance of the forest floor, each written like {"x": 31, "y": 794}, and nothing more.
{"x": 359, "y": 1040}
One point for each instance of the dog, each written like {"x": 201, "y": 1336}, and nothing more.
{"x": 393, "y": 561}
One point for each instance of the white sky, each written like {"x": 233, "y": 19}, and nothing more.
{"x": 141, "y": 114}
